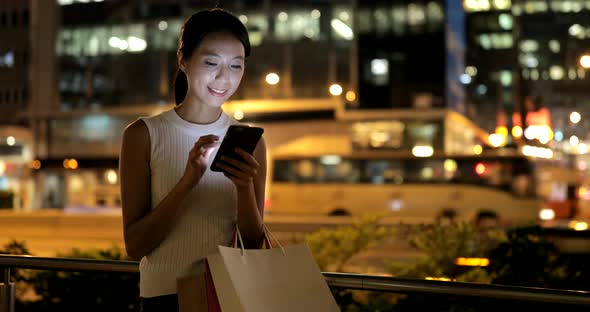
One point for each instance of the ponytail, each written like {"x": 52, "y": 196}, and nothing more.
{"x": 180, "y": 86}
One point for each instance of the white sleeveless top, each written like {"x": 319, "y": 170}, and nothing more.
{"x": 211, "y": 212}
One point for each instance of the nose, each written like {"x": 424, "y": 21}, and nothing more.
{"x": 223, "y": 73}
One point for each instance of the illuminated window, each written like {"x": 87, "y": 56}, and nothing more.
{"x": 486, "y": 5}
{"x": 505, "y": 21}
{"x": 295, "y": 25}
{"x": 435, "y": 13}
{"x": 496, "y": 41}
{"x": 365, "y": 23}
{"x": 398, "y": 14}
{"x": 93, "y": 41}
{"x": 416, "y": 14}
{"x": 529, "y": 46}
{"x": 505, "y": 78}
{"x": 485, "y": 41}
{"x": 7, "y": 59}
{"x": 381, "y": 20}
{"x": 554, "y": 46}
{"x": 257, "y": 25}
{"x": 556, "y": 72}
{"x": 341, "y": 23}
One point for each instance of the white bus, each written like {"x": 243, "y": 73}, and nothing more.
{"x": 321, "y": 175}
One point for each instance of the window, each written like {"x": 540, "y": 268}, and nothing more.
{"x": 14, "y": 19}
{"x": 93, "y": 41}
{"x": 25, "y": 95}
{"x": 295, "y": 25}
{"x": 257, "y": 25}
{"x": 25, "y": 18}
{"x": 16, "y": 96}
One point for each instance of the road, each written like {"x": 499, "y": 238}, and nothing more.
{"x": 53, "y": 232}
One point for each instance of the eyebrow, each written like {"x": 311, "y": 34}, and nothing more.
{"x": 217, "y": 55}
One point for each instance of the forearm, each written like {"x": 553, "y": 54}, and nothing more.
{"x": 145, "y": 234}
{"x": 249, "y": 217}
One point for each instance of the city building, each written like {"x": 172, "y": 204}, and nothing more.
{"x": 20, "y": 72}
{"x": 410, "y": 54}
{"x": 520, "y": 51}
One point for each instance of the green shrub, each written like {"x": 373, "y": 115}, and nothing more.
{"x": 334, "y": 247}
{"x": 88, "y": 291}
{"x": 441, "y": 245}
{"x": 75, "y": 291}
{"x": 527, "y": 258}
{"x": 20, "y": 277}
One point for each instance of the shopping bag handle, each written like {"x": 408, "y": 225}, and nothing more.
{"x": 268, "y": 235}
{"x": 239, "y": 243}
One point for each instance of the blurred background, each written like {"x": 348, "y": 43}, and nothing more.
{"x": 415, "y": 111}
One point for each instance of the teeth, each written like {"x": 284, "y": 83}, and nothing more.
{"x": 217, "y": 90}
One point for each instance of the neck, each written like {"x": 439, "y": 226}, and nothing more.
{"x": 198, "y": 114}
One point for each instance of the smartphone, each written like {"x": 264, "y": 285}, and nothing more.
{"x": 242, "y": 136}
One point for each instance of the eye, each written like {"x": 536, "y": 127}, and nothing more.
{"x": 236, "y": 66}
{"x": 210, "y": 63}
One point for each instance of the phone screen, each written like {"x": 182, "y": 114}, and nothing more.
{"x": 242, "y": 136}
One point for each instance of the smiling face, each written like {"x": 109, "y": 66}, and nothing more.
{"x": 215, "y": 69}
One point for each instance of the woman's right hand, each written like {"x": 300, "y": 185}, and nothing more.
{"x": 198, "y": 159}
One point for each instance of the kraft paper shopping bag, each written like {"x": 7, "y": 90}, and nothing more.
{"x": 196, "y": 291}
{"x": 277, "y": 279}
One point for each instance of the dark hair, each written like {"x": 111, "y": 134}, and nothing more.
{"x": 195, "y": 28}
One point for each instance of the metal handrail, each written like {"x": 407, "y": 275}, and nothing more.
{"x": 405, "y": 285}
{"x": 336, "y": 280}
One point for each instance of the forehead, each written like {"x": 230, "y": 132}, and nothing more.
{"x": 221, "y": 43}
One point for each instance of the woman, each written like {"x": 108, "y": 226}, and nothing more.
{"x": 176, "y": 210}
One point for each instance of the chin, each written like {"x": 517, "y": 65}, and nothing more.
{"x": 216, "y": 103}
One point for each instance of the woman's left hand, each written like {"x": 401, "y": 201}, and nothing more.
{"x": 241, "y": 172}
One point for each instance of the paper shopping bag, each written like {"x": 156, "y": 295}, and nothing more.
{"x": 196, "y": 291}
{"x": 278, "y": 279}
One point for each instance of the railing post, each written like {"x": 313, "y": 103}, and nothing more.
{"x": 7, "y": 292}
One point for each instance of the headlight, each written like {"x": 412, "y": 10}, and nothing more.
{"x": 578, "y": 225}
{"x": 546, "y": 214}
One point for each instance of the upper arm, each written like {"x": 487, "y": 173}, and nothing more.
{"x": 260, "y": 180}
{"x": 134, "y": 172}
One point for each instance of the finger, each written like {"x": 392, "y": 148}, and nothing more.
{"x": 236, "y": 180}
{"x": 203, "y": 144}
{"x": 240, "y": 165}
{"x": 206, "y": 140}
{"x": 233, "y": 171}
{"x": 249, "y": 158}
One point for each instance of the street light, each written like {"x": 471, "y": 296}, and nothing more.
{"x": 350, "y": 96}
{"x": 585, "y": 61}
{"x": 335, "y": 89}
{"x": 272, "y": 79}
{"x": 575, "y": 117}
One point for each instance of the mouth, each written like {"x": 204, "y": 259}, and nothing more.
{"x": 217, "y": 92}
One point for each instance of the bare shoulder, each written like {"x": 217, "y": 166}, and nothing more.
{"x": 136, "y": 139}
{"x": 137, "y": 133}
{"x": 137, "y": 130}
